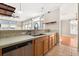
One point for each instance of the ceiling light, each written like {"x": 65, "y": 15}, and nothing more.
{"x": 20, "y": 12}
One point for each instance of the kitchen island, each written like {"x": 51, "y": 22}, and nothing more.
{"x": 26, "y": 45}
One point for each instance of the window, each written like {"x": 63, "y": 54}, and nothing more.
{"x": 7, "y": 24}
{"x": 29, "y": 24}
{"x": 73, "y": 27}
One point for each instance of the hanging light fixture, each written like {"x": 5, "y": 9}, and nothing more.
{"x": 18, "y": 14}
{"x": 20, "y": 11}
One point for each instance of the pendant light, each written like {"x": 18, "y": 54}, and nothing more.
{"x": 20, "y": 11}
{"x": 18, "y": 14}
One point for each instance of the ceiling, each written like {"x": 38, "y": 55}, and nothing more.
{"x": 33, "y": 9}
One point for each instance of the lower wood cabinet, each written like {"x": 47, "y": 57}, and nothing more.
{"x": 0, "y": 52}
{"x": 40, "y": 46}
{"x": 53, "y": 40}
{"x": 46, "y": 44}
{"x": 20, "y": 51}
{"x": 37, "y": 47}
{"x": 28, "y": 50}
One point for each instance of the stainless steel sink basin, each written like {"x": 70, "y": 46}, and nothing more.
{"x": 38, "y": 34}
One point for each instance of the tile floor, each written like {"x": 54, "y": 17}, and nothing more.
{"x": 62, "y": 50}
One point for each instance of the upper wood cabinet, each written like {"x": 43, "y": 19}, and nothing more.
{"x": 68, "y": 11}
{"x": 6, "y": 9}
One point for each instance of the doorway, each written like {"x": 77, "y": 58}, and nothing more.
{"x": 69, "y": 33}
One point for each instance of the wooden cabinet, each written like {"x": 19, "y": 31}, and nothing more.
{"x": 6, "y": 10}
{"x": 28, "y": 50}
{"x": 8, "y": 13}
{"x": 42, "y": 44}
{"x": 39, "y": 46}
{"x": 46, "y": 44}
{"x": 20, "y": 51}
{"x": 50, "y": 42}
{"x": 0, "y": 52}
{"x": 6, "y": 7}
{"x": 53, "y": 40}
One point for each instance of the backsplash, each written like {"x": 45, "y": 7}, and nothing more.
{"x": 11, "y": 33}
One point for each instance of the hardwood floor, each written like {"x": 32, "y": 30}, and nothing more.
{"x": 62, "y": 50}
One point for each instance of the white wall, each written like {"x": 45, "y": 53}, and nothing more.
{"x": 68, "y": 11}
{"x": 65, "y": 27}
{"x": 32, "y": 9}
{"x": 53, "y": 16}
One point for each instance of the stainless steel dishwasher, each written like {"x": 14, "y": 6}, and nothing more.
{"x": 22, "y": 49}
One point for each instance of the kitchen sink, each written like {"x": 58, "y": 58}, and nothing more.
{"x": 38, "y": 34}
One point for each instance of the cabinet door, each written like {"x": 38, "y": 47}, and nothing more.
{"x": 39, "y": 47}
{"x": 45, "y": 44}
{"x": 52, "y": 40}
{"x": 0, "y": 52}
{"x": 20, "y": 51}
{"x": 55, "y": 37}
{"x": 50, "y": 46}
{"x": 28, "y": 50}
{"x": 11, "y": 53}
